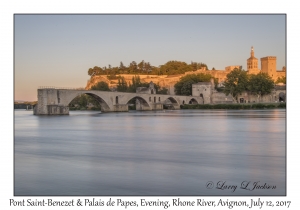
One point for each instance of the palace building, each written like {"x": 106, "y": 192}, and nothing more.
{"x": 268, "y": 65}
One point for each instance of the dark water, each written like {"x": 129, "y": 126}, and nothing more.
{"x": 182, "y": 152}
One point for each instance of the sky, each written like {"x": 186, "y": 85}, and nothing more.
{"x": 57, "y": 50}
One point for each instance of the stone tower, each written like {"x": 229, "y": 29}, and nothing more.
{"x": 268, "y": 65}
{"x": 252, "y": 63}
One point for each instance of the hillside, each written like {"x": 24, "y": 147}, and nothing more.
{"x": 166, "y": 81}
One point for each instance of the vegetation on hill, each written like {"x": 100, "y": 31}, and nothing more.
{"x": 184, "y": 85}
{"x": 103, "y": 86}
{"x": 169, "y": 68}
{"x": 122, "y": 85}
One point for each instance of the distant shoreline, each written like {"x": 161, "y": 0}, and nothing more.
{"x": 235, "y": 106}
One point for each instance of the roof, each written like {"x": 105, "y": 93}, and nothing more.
{"x": 252, "y": 58}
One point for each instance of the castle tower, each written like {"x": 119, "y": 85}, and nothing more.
{"x": 252, "y": 63}
{"x": 268, "y": 65}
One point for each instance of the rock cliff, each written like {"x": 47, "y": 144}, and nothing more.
{"x": 167, "y": 81}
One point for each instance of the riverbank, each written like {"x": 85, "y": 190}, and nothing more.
{"x": 234, "y": 106}
{"x": 208, "y": 106}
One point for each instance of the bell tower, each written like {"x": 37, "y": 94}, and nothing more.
{"x": 252, "y": 63}
{"x": 252, "y": 52}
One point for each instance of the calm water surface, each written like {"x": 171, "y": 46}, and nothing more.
{"x": 182, "y": 152}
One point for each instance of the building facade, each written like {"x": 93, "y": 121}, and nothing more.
{"x": 268, "y": 65}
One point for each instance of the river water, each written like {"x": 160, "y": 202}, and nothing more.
{"x": 176, "y": 152}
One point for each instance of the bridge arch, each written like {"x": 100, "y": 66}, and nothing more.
{"x": 171, "y": 103}
{"x": 193, "y": 101}
{"x": 281, "y": 97}
{"x": 104, "y": 105}
{"x": 173, "y": 100}
{"x": 140, "y": 103}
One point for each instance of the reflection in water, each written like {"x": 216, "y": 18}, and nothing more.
{"x": 149, "y": 153}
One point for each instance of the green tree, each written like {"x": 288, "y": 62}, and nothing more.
{"x": 187, "y": 88}
{"x": 260, "y": 84}
{"x": 136, "y": 82}
{"x": 184, "y": 85}
{"x": 161, "y": 90}
{"x": 195, "y": 66}
{"x": 122, "y": 68}
{"x": 175, "y": 67}
{"x": 141, "y": 66}
{"x": 122, "y": 85}
{"x": 132, "y": 68}
{"x": 148, "y": 67}
{"x": 95, "y": 71}
{"x": 281, "y": 80}
{"x": 103, "y": 86}
{"x": 236, "y": 82}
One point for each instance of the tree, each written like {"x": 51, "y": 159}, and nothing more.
{"x": 95, "y": 71}
{"x": 101, "y": 86}
{"x": 136, "y": 82}
{"x": 281, "y": 80}
{"x": 141, "y": 66}
{"x": 197, "y": 66}
{"x": 175, "y": 67}
{"x": 184, "y": 85}
{"x": 187, "y": 88}
{"x": 148, "y": 67}
{"x": 236, "y": 82}
{"x": 122, "y": 85}
{"x": 260, "y": 84}
{"x": 132, "y": 67}
{"x": 122, "y": 68}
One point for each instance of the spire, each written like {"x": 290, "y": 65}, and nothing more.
{"x": 252, "y": 51}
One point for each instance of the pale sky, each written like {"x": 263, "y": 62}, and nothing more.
{"x": 58, "y": 50}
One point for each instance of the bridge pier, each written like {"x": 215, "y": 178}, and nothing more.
{"x": 48, "y": 103}
{"x": 157, "y": 106}
{"x": 120, "y": 108}
{"x": 142, "y": 106}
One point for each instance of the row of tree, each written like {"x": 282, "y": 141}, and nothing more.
{"x": 236, "y": 82}
{"x": 169, "y": 68}
{"x": 123, "y": 86}
{"x": 239, "y": 81}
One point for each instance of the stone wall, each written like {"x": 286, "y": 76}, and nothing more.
{"x": 221, "y": 98}
{"x": 204, "y": 90}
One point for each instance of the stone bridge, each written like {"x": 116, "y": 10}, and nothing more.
{"x": 55, "y": 101}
